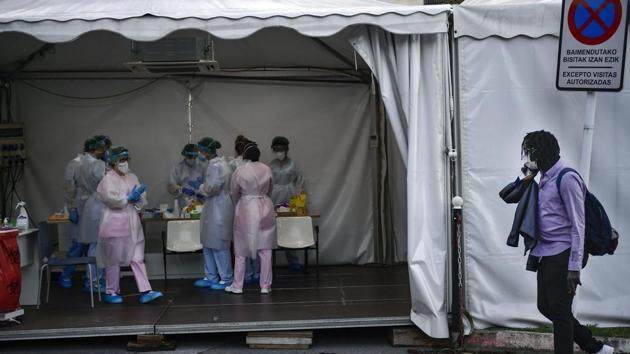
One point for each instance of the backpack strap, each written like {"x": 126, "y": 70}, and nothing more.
{"x": 563, "y": 172}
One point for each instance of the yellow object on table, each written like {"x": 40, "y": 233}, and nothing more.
{"x": 57, "y": 217}
{"x": 192, "y": 206}
{"x": 297, "y": 204}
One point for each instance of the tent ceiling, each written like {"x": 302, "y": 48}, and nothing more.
{"x": 106, "y": 51}
{"x": 507, "y": 18}
{"x": 64, "y": 20}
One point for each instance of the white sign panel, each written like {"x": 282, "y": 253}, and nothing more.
{"x": 592, "y": 47}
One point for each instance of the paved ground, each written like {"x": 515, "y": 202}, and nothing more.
{"x": 350, "y": 341}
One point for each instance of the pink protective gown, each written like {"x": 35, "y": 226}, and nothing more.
{"x": 254, "y": 216}
{"x": 254, "y": 220}
{"x": 121, "y": 239}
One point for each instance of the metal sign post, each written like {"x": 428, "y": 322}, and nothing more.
{"x": 587, "y": 142}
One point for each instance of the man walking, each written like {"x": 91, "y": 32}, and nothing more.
{"x": 560, "y": 246}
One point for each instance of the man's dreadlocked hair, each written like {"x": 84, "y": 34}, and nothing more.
{"x": 542, "y": 147}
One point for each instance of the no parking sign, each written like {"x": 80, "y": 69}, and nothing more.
{"x": 591, "y": 53}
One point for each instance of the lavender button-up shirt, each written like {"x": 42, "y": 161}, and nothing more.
{"x": 561, "y": 225}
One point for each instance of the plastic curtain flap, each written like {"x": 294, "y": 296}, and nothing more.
{"x": 410, "y": 72}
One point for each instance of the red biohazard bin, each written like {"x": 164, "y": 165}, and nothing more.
{"x": 10, "y": 274}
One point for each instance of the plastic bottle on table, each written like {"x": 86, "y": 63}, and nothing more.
{"x": 22, "y": 219}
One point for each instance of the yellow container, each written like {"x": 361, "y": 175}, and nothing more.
{"x": 298, "y": 204}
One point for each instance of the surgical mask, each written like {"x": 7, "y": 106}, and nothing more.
{"x": 202, "y": 158}
{"x": 105, "y": 156}
{"x": 189, "y": 162}
{"x": 281, "y": 155}
{"x": 123, "y": 167}
{"x": 532, "y": 165}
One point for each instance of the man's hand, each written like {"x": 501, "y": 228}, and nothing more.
{"x": 573, "y": 280}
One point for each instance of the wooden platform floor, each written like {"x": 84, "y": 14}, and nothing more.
{"x": 343, "y": 297}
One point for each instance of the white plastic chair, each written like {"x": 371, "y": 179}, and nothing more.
{"x": 296, "y": 232}
{"x": 182, "y": 236}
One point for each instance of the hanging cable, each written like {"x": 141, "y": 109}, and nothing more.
{"x": 91, "y": 98}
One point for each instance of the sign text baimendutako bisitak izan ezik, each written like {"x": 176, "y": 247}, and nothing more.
{"x": 591, "y": 53}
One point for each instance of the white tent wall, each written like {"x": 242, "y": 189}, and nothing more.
{"x": 507, "y": 88}
{"x": 329, "y": 140}
{"x": 412, "y": 74}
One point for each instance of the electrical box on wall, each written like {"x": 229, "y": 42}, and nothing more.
{"x": 12, "y": 145}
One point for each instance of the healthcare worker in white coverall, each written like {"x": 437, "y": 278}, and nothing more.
{"x": 189, "y": 169}
{"x": 121, "y": 238}
{"x": 216, "y": 218}
{"x": 73, "y": 205}
{"x": 90, "y": 173}
{"x": 287, "y": 182}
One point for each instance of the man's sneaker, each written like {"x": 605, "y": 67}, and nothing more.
{"x": 265, "y": 290}
{"x": 150, "y": 296}
{"x": 233, "y": 290}
{"x": 606, "y": 349}
{"x": 220, "y": 285}
{"x": 65, "y": 282}
{"x": 203, "y": 283}
{"x": 113, "y": 299}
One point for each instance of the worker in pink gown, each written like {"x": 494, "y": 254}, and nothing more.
{"x": 121, "y": 239}
{"x": 254, "y": 219}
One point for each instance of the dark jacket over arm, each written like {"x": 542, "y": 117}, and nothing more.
{"x": 525, "y": 222}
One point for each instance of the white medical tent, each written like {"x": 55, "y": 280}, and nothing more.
{"x": 506, "y": 66}
{"x": 287, "y": 68}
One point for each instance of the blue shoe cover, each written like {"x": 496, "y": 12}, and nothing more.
{"x": 220, "y": 285}
{"x": 203, "y": 283}
{"x": 101, "y": 288}
{"x": 113, "y": 299}
{"x": 150, "y": 296}
{"x": 65, "y": 282}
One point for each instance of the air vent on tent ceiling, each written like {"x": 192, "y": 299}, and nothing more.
{"x": 173, "y": 67}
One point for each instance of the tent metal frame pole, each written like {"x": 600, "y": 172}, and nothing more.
{"x": 458, "y": 261}
{"x": 218, "y": 78}
{"x": 293, "y": 72}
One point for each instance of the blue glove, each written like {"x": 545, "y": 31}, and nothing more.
{"x": 135, "y": 194}
{"x": 74, "y": 216}
{"x": 195, "y": 184}
{"x": 189, "y": 192}
{"x": 140, "y": 189}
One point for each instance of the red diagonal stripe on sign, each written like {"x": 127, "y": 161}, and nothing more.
{"x": 594, "y": 14}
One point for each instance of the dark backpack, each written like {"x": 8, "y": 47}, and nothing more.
{"x": 600, "y": 237}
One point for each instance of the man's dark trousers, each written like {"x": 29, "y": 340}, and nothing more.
{"x": 554, "y": 302}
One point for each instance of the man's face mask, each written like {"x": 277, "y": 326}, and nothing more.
{"x": 526, "y": 159}
{"x": 189, "y": 162}
{"x": 281, "y": 155}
